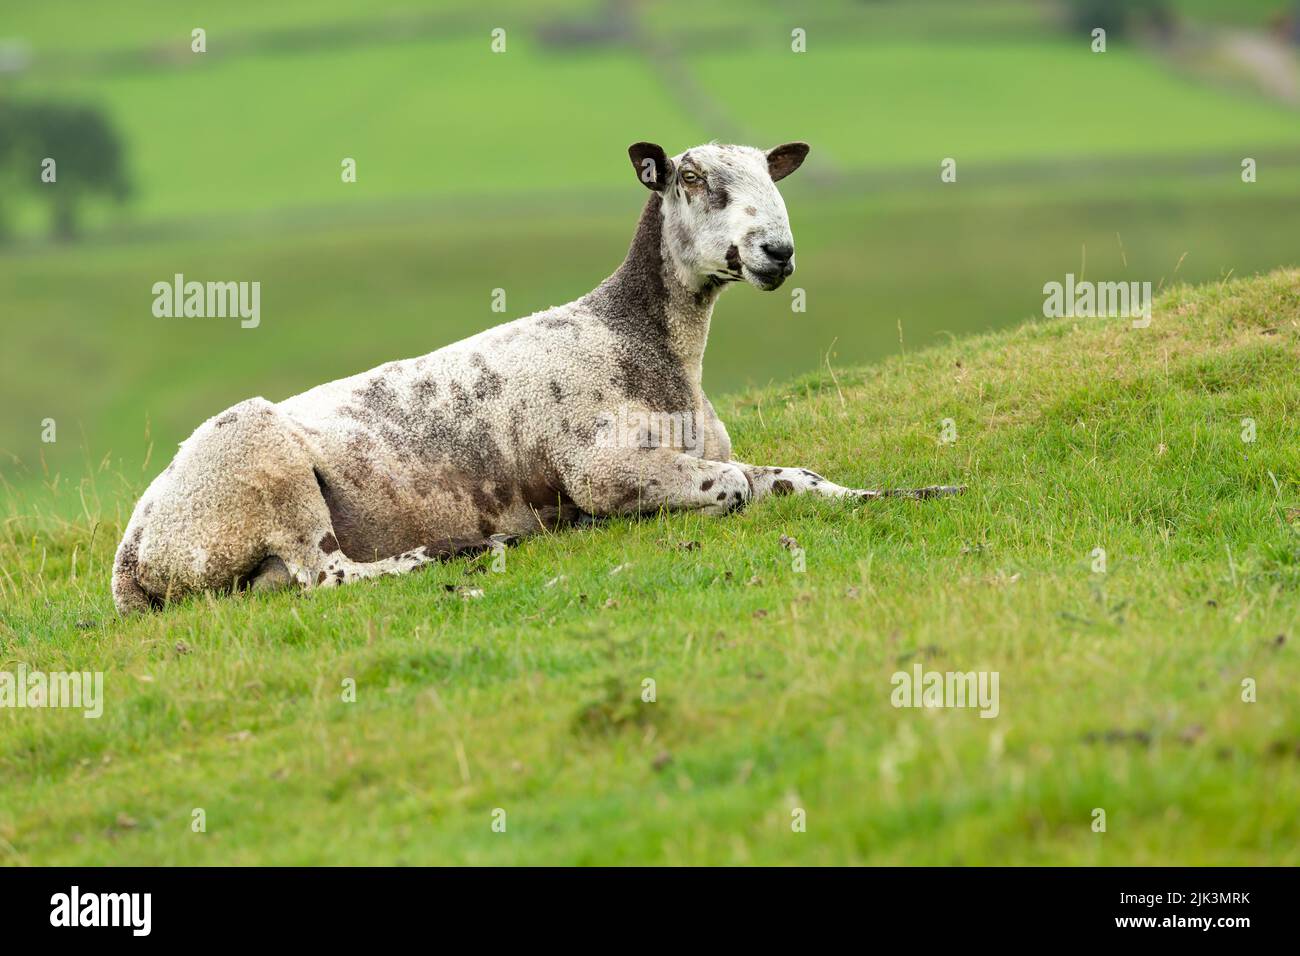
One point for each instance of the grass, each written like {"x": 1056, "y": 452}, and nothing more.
{"x": 1119, "y": 690}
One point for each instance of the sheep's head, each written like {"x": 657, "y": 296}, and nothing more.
{"x": 723, "y": 216}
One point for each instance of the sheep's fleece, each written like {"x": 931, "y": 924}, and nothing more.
{"x": 588, "y": 409}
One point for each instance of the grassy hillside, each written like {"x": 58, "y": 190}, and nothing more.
{"x": 1119, "y": 690}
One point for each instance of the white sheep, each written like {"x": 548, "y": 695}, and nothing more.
{"x": 588, "y": 409}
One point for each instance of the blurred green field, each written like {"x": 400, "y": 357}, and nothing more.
{"x": 433, "y": 117}
{"x": 115, "y": 378}
{"x": 480, "y": 171}
{"x": 86, "y": 27}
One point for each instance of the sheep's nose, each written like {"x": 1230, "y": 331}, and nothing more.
{"x": 780, "y": 251}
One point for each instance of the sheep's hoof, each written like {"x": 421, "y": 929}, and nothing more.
{"x": 918, "y": 494}
{"x": 939, "y": 491}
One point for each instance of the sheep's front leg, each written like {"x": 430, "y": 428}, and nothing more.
{"x": 797, "y": 481}
{"x": 637, "y": 480}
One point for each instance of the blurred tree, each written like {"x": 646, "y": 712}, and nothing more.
{"x": 84, "y": 146}
{"x": 9, "y": 179}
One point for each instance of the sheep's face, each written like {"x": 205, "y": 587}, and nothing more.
{"x": 724, "y": 219}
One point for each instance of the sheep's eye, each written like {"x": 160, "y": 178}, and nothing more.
{"x": 689, "y": 177}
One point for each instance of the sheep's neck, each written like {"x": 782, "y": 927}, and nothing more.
{"x": 647, "y": 299}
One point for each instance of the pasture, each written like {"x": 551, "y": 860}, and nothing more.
{"x": 478, "y": 171}
{"x": 1120, "y": 689}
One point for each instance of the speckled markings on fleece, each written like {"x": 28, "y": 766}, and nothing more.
{"x": 497, "y": 435}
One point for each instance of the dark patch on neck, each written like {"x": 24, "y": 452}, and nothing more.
{"x": 633, "y": 303}
{"x": 709, "y": 291}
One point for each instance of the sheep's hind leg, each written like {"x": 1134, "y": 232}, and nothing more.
{"x": 311, "y": 571}
{"x": 302, "y": 550}
{"x": 330, "y": 567}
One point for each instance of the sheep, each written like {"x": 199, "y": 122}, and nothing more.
{"x": 585, "y": 410}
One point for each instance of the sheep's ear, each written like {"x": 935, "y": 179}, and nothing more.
{"x": 652, "y": 165}
{"x": 785, "y": 159}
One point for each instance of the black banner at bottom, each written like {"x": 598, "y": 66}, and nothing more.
{"x": 333, "y": 906}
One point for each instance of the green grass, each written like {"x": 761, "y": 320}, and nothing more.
{"x": 1118, "y": 690}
